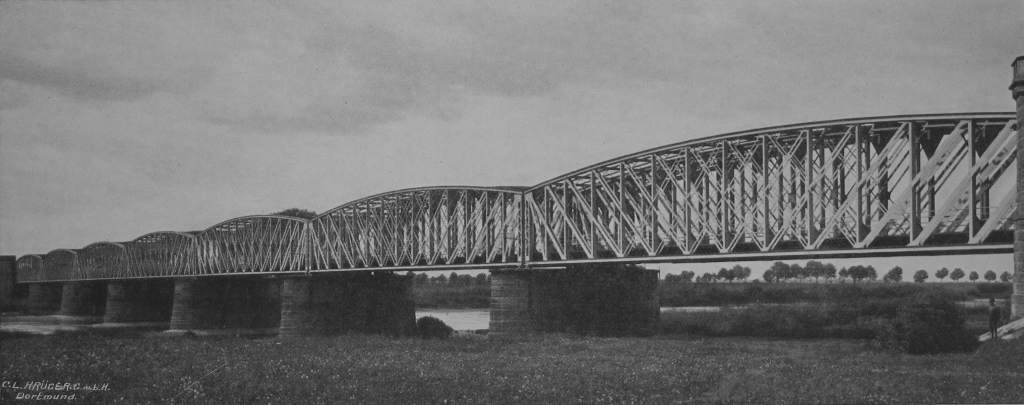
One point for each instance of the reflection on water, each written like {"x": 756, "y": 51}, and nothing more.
{"x": 459, "y": 319}
{"x": 43, "y": 324}
{"x": 475, "y": 319}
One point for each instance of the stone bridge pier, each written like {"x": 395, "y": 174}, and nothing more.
{"x": 83, "y": 298}
{"x": 365, "y": 302}
{"x": 603, "y": 300}
{"x": 44, "y": 298}
{"x": 130, "y": 301}
{"x": 249, "y": 303}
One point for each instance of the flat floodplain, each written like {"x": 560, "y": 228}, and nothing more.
{"x": 541, "y": 369}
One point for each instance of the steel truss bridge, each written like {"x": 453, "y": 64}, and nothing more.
{"x": 898, "y": 185}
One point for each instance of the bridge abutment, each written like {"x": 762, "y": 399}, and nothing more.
{"x": 44, "y": 298}
{"x": 249, "y": 304}
{"x": 329, "y": 304}
{"x": 139, "y": 301}
{"x": 83, "y": 298}
{"x": 1017, "y": 90}
{"x": 603, "y": 300}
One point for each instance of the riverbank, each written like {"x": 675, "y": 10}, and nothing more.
{"x": 542, "y": 369}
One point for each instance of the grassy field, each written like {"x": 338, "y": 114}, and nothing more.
{"x": 844, "y": 319}
{"x": 545, "y": 369}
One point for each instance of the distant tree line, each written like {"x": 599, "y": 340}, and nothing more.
{"x": 452, "y": 280}
{"x": 296, "y": 213}
{"x": 736, "y": 273}
{"x": 817, "y": 271}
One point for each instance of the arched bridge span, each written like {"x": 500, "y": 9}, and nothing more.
{"x": 898, "y": 185}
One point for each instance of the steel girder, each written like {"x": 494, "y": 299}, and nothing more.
{"x": 421, "y": 228}
{"x": 892, "y": 185}
{"x": 875, "y": 183}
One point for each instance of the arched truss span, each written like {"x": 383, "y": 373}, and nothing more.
{"x": 29, "y": 268}
{"x": 902, "y": 181}
{"x": 253, "y": 244}
{"x": 422, "y": 228}
{"x": 102, "y": 260}
{"x": 62, "y": 264}
{"x": 162, "y": 254}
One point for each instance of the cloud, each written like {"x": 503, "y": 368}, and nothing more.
{"x": 90, "y": 81}
{"x": 93, "y": 53}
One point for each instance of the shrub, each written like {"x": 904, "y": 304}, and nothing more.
{"x": 429, "y": 327}
{"x": 995, "y": 290}
{"x": 926, "y": 323}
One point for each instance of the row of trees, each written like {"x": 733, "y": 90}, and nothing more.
{"x": 920, "y": 276}
{"x": 736, "y": 273}
{"x": 453, "y": 280}
{"x": 817, "y": 271}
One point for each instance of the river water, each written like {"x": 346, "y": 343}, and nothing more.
{"x": 474, "y": 319}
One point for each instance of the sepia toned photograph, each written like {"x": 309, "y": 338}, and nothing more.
{"x": 512, "y": 202}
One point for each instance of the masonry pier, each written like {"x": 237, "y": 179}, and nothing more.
{"x": 130, "y": 301}
{"x": 249, "y": 304}
{"x": 83, "y": 298}
{"x": 43, "y": 298}
{"x": 330, "y": 304}
{"x": 603, "y": 300}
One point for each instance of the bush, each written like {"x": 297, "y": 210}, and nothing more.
{"x": 926, "y": 323}
{"x": 994, "y": 290}
{"x": 429, "y": 327}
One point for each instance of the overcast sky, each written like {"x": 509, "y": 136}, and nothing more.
{"x": 118, "y": 119}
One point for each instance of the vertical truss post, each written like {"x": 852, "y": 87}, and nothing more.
{"x": 883, "y": 185}
{"x": 766, "y": 229}
{"x": 452, "y": 217}
{"x": 687, "y": 189}
{"x": 467, "y": 231}
{"x": 547, "y": 216}
{"x": 485, "y": 216}
{"x": 811, "y": 146}
{"x": 862, "y": 147}
{"x": 596, "y": 215}
{"x": 653, "y": 216}
{"x": 913, "y": 134}
{"x": 622, "y": 208}
{"x": 527, "y": 241}
{"x": 566, "y": 218}
{"x": 972, "y": 161}
{"x": 723, "y": 195}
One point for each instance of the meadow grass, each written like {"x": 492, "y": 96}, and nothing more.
{"x": 540, "y": 369}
